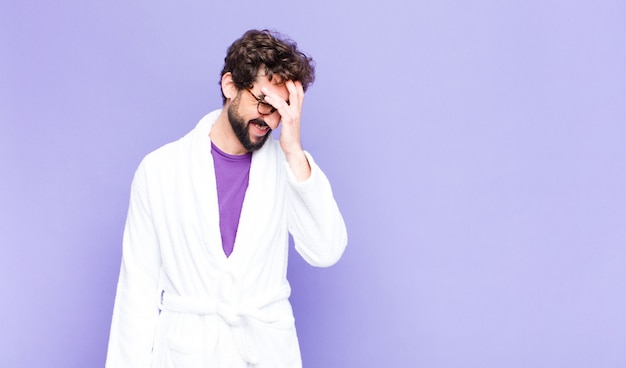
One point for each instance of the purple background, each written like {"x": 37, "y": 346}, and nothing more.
{"x": 477, "y": 152}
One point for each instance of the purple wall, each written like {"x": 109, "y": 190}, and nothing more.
{"x": 477, "y": 151}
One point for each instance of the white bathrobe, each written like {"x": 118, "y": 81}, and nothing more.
{"x": 180, "y": 301}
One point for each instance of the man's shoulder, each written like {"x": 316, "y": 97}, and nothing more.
{"x": 164, "y": 153}
{"x": 175, "y": 149}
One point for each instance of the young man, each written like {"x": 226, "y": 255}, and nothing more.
{"x": 203, "y": 276}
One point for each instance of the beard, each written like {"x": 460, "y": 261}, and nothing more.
{"x": 242, "y": 129}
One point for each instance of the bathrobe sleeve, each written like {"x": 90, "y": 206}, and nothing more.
{"x": 315, "y": 222}
{"x": 136, "y": 310}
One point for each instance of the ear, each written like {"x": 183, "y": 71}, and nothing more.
{"x": 228, "y": 86}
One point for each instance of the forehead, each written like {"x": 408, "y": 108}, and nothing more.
{"x": 276, "y": 85}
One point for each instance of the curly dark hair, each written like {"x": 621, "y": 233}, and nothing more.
{"x": 270, "y": 50}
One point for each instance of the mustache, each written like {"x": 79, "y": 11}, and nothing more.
{"x": 259, "y": 122}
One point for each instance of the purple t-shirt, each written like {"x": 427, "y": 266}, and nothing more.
{"x": 231, "y": 174}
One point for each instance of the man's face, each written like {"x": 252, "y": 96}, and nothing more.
{"x": 243, "y": 130}
{"x": 251, "y": 121}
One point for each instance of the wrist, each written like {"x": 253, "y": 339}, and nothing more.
{"x": 299, "y": 164}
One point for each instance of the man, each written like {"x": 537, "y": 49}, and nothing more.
{"x": 203, "y": 276}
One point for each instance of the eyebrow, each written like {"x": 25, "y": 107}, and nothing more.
{"x": 259, "y": 99}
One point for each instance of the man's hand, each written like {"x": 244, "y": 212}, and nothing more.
{"x": 290, "y": 114}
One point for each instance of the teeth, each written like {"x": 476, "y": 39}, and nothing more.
{"x": 260, "y": 125}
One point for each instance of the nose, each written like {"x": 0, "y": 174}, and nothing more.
{"x": 272, "y": 120}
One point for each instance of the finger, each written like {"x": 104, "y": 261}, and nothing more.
{"x": 299, "y": 87}
{"x": 296, "y": 91}
{"x": 274, "y": 99}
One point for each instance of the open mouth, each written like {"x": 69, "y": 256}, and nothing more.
{"x": 260, "y": 124}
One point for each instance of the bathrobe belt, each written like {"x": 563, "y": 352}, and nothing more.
{"x": 241, "y": 317}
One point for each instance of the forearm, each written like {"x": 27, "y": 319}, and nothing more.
{"x": 315, "y": 220}
{"x": 299, "y": 165}
{"x": 134, "y": 322}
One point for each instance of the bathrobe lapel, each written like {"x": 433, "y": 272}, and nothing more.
{"x": 204, "y": 187}
{"x": 256, "y": 219}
